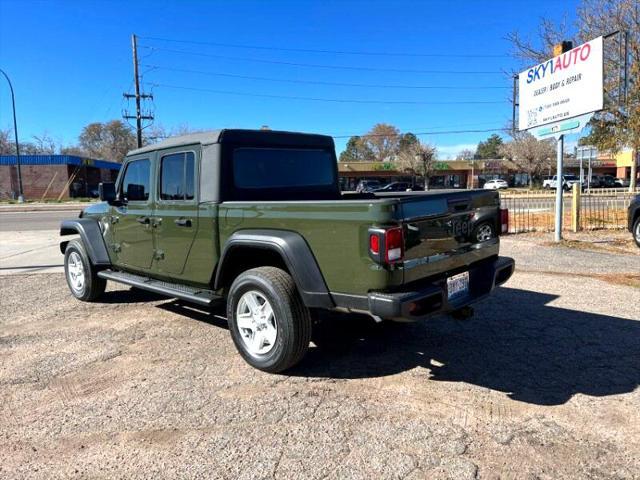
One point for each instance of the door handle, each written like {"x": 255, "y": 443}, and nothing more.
{"x": 143, "y": 220}
{"x": 183, "y": 222}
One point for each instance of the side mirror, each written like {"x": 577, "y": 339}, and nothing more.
{"x": 107, "y": 191}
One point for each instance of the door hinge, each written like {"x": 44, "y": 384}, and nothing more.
{"x": 158, "y": 255}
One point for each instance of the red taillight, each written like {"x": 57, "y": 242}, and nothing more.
{"x": 394, "y": 245}
{"x": 386, "y": 245}
{"x": 504, "y": 220}
{"x": 374, "y": 243}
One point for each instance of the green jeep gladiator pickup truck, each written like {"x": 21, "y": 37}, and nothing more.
{"x": 256, "y": 218}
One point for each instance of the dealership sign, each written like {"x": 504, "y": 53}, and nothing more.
{"x": 563, "y": 87}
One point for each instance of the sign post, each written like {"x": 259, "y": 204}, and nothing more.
{"x": 559, "y": 189}
{"x": 558, "y": 97}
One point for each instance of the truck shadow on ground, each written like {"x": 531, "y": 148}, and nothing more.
{"x": 131, "y": 295}
{"x": 516, "y": 344}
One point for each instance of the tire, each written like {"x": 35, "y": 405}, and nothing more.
{"x": 82, "y": 277}
{"x": 483, "y": 232}
{"x": 253, "y": 333}
{"x": 636, "y": 231}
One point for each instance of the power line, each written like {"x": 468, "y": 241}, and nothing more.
{"x": 410, "y": 130}
{"x": 333, "y": 100}
{"x": 317, "y": 65}
{"x": 418, "y": 134}
{"x": 319, "y": 82}
{"x": 339, "y": 52}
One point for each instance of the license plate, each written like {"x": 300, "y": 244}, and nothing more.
{"x": 458, "y": 285}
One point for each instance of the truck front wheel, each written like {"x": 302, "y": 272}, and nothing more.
{"x": 82, "y": 276}
{"x": 269, "y": 324}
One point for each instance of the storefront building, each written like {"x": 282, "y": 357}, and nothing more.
{"x": 447, "y": 174}
{"x": 54, "y": 176}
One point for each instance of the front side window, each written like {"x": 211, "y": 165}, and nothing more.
{"x": 177, "y": 176}
{"x": 136, "y": 181}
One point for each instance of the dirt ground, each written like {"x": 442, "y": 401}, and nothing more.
{"x": 541, "y": 383}
{"x": 611, "y": 241}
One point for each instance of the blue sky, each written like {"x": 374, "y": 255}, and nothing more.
{"x": 70, "y": 62}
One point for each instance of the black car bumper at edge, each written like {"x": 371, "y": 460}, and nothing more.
{"x": 429, "y": 299}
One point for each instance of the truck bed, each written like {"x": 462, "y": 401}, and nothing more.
{"x": 432, "y": 245}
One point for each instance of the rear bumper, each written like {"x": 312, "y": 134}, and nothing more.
{"x": 430, "y": 298}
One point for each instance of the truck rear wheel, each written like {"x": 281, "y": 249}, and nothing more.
{"x": 269, "y": 324}
{"x": 82, "y": 276}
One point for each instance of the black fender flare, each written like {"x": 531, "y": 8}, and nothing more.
{"x": 91, "y": 235}
{"x": 295, "y": 253}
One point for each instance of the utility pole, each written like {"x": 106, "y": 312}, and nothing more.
{"x": 138, "y": 96}
{"x": 15, "y": 134}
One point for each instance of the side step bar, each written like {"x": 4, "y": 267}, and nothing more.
{"x": 183, "y": 292}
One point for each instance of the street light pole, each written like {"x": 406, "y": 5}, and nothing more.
{"x": 15, "y": 133}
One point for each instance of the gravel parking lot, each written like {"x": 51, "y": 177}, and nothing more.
{"x": 541, "y": 383}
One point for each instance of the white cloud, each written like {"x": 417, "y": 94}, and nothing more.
{"x": 447, "y": 152}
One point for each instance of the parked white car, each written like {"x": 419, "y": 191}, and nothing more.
{"x": 495, "y": 184}
{"x": 567, "y": 182}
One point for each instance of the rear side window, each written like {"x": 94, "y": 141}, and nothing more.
{"x": 135, "y": 185}
{"x": 177, "y": 176}
{"x": 281, "y": 168}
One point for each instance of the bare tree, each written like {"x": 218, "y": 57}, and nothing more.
{"x": 466, "y": 155}
{"x": 108, "y": 141}
{"x": 159, "y": 132}
{"x": 529, "y": 154}
{"x": 7, "y": 145}
{"x": 356, "y": 150}
{"x": 383, "y": 141}
{"x": 45, "y": 144}
{"x": 418, "y": 159}
{"x": 618, "y": 125}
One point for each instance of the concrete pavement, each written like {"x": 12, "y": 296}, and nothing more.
{"x": 29, "y": 252}
{"x": 29, "y": 240}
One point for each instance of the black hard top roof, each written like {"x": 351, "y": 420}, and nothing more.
{"x": 240, "y": 137}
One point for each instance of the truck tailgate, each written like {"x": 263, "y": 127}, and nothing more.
{"x": 440, "y": 231}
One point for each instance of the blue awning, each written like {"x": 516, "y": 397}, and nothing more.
{"x": 58, "y": 160}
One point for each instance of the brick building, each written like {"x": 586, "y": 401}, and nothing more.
{"x": 54, "y": 176}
